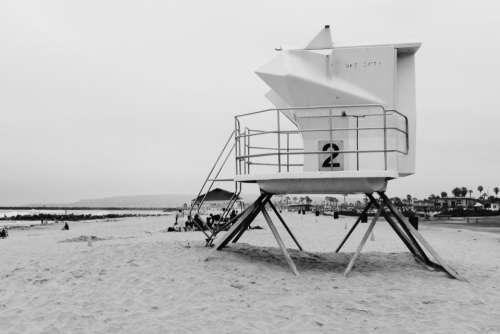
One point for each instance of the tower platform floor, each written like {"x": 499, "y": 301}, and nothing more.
{"x": 338, "y": 182}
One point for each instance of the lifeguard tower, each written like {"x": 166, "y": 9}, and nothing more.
{"x": 343, "y": 123}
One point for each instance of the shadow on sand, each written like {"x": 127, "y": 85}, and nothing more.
{"x": 368, "y": 262}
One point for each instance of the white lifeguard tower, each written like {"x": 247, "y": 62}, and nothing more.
{"x": 343, "y": 123}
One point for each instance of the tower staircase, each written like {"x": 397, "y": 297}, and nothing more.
{"x": 207, "y": 185}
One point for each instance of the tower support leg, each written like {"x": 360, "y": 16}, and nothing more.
{"x": 216, "y": 229}
{"x": 284, "y": 224}
{"x": 367, "y": 207}
{"x": 441, "y": 264}
{"x": 362, "y": 243}
{"x": 250, "y": 219}
{"x": 406, "y": 232}
{"x": 412, "y": 246}
{"x": 244, "y": 220}
{"x": 288, "y": 259}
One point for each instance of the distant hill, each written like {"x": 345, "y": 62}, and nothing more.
{"x": 137, "y": 201}
{"x": 173, "y": 200}
{"x": 158, "y": 201}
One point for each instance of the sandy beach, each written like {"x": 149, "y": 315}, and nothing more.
{"x": 133, "y": 278}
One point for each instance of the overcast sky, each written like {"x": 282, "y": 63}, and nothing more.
{"x": 102, "y": 98}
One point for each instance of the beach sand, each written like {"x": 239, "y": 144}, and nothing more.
{"x": 132, "y": 278}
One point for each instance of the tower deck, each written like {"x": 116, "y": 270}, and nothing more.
{"x": 338, "y": 182}
{"x": 271, "y": 150}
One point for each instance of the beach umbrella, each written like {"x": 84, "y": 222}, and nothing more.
{"x": 215, "y": 195}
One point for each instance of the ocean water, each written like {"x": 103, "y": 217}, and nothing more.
{"x": 12, "y": 213}
{"x": 8, "y": 213}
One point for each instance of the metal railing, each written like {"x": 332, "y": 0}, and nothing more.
{"x": 245, "y": 158}
{"x": 213, "y": 177}
{"x": 240, "y": 142}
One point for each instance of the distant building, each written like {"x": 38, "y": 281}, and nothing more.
{"x": 495, "y": 206}
{"x": 297, "y": 207}
{"x": 456, "y": 202}
{"x": 424, "y": 205}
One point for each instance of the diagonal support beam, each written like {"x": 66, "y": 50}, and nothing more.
{"x": 417, "y": 251}
{"x": 245, "y": 227}
{"x": 232, "y": 231}
{"x": 412, "y": 231}
{"x": 250, "y": 219}
{"x": 362, "y": 243}
{"x": 218, "y": 229}
{"x": 426, "y": 261}
{"x": 245, "y": 219}
{"x": 367, "y": 207}
{"x": 284, "y": 224}
{"x": 411, "y": 244}
{"x": 288, "y": 259}
{"x": 199, "y": 224}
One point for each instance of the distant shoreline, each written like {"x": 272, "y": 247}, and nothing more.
{"x": 86, "y": 208}
{"x": 479, "y": 223}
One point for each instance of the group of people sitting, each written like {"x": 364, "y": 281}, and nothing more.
{"x": 4, "y": 233}
{"x": 179, "y": 224}
{"x": 215, "y": 219}
{"x": 197, "y": 223}
{"x": 218, "y": 220}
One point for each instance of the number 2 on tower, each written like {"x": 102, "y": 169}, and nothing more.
{"x": 329, "y": 162}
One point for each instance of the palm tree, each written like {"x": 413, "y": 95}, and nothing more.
{"x": 444, "y": 194}
{"x": 470, "y": 192}
{"x": 308, "y": 200}
{"x": 331, "y": 201}
{"x": 433, "y": 199}
{"x": 456, "y": 192}
{"x": 480, "y": 189}
{"x": 408, "y": 198}
{"x": 496, "y": 190}
{"x": 464, "y": 192}
{"x": 397, "y": 201}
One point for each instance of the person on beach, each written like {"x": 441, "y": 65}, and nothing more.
{"x": 3, "y": 233}
{"x": 189, "y": 225}
{"x": 178, "y": 215}
{"x": 66, "y": 226}
{"x": 179, "y": 225}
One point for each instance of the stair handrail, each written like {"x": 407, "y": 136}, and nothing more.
{"x": 214, "y": 179}
{"x": 210, "y": 174}
{"x": 232, "y": 201}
